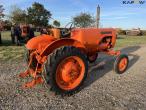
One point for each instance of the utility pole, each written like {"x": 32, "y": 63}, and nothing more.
{"x": 97, "y": 16}
{"x": 0, "y": 31}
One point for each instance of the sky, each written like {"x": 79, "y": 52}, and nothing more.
{"x": 113, "y": 12}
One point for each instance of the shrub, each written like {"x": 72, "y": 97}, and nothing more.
{"x": 144, "y": 32}
{"x": 121, "y": 32}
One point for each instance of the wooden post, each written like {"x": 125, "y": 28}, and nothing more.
{"x": 0, "y": 38}
{"x": 98, "y": 16}
{"x": 0, "y": 32}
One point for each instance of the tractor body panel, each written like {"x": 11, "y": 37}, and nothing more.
{"x": 55, "y": 33}
{"x": 89, "y": 40}
{"x": 92, "y": 38}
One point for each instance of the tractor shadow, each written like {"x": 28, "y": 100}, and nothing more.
{"x": 6, "y": 42}
{"x": 9, "y": 43}
{"x": 104, "y": 64}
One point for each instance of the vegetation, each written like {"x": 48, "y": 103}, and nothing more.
{"x": 1, "y": 12}
{"x": 56, "y": 23}
{"x": 38, "y": 15}
{"x": 121, "y": 32}
{"x": 124, "y": 41}
{"x": 144, "y": 32}
{"x": 9, "y": 51}
{"x": 1, "y": 16}
{"x": 12, "y": 52}
{"x": 7, "y": 24}
{"x": 84, "y": 20}
{"x": 17, "y": 15}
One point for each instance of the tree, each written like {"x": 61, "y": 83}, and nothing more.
{"x": 7, "y": 24}
{"x": 56, "y": 23}
{"x": 18, "y": 15}
{"x": 83, "y": 20}
{"x": 38, "y": 15}
{"x": 1, "y": 12}
{"x": 1, "y": 16}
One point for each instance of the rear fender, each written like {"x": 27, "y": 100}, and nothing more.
{"x": 62, "y": 42}
{"x": 39, "y": 42}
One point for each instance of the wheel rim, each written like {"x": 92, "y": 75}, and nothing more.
{"x": 70, "y": 73}
{"x": 123, "y": 64}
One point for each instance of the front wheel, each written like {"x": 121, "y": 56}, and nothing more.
{"x": 66, "y": 70}
{"x": 121, "y": 64}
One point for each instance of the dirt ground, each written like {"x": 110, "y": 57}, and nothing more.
{"x": 103, "y": 90}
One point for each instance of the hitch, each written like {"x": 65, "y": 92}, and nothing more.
{"x": 34, "y": 73}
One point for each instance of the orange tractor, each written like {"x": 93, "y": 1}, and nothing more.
{"x": 62, "y": 62}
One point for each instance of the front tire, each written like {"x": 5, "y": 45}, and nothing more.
{"x": 66, "y": 70}
{"x": 121, "y": 64}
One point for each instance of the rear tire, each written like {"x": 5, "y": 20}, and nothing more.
{"x": 55, "y": 66}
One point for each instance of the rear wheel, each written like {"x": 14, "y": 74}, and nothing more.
{"x": 66, "y": 70}
{"x": 121, "y": 64}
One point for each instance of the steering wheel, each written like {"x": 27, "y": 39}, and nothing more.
{"x": 67, "y": 31}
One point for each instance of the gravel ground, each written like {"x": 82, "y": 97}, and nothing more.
{"x": 103, "y": 89}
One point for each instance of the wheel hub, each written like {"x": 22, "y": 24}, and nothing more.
{"x": 70, "y": 72}
{"x": 123, "y": 64}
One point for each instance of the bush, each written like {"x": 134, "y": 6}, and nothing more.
{"x": 7, "y": 28}
{"x": 144, "y": 32}
{"x": 121, "y": 32}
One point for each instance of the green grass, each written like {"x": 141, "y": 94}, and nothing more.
{"x": 13, "y": 52}
{"x": 8, "y": 51}
{"x": 124, "y": 41}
